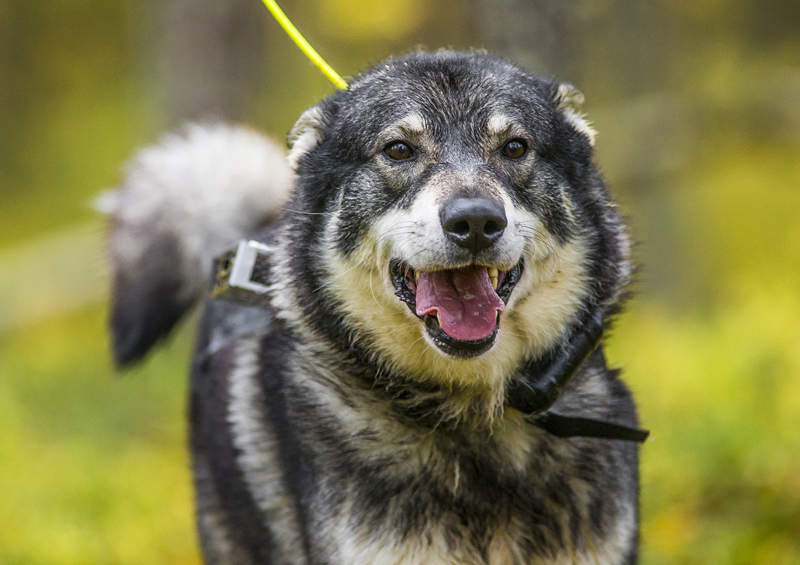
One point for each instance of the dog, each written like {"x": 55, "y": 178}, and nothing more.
{"x": 409, "y": 390}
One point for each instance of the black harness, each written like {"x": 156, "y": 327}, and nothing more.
{"x": 241, "y": 275}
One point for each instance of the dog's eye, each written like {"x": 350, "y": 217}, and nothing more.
{"x": 515, "y": 149}
{"x": 398, "y": 151}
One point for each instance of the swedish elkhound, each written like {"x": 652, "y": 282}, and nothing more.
{"x": 438, "y": 255}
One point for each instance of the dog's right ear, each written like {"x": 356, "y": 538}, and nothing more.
{"x": 306, "y": 134}
{"x": 569, "y": 101}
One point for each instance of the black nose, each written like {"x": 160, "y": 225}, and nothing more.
{"x": 473, "y": 223}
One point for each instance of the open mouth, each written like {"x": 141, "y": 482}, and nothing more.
{"x": 461, "y": 308}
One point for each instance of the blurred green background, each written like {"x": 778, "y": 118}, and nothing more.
{"x": 698, "y": 109}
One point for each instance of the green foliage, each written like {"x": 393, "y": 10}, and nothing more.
{"x": 720, "y": 472}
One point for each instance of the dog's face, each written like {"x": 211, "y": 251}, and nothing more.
{"x": 445, "y": 211}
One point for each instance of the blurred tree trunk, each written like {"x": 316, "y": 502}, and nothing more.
{"x": 534, "y": 33}
{"x": 209, "y": 52}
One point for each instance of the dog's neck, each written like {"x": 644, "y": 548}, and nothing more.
{"x": 531, "y": 389}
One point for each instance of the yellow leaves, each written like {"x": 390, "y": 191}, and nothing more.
{"x": 671, "y": 530}
{"x": 355, "y": 21}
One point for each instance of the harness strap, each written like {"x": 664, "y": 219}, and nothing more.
{"x": 573, "y": 426}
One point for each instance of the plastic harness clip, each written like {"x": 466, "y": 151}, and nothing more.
{"x": 241, "y": 274}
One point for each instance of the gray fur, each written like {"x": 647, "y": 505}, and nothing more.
{"x": 331, "y": 426}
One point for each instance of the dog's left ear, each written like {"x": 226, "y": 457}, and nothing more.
{"x": 305, "y": 134}
{"x": 569, "y": 101}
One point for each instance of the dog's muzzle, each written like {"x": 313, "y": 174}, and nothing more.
{"x": 461, "y": 307}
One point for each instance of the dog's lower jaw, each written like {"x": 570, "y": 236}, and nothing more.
{"x": 369, "y": 307}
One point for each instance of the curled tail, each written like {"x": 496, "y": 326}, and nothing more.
{"x": 183, "y": 201}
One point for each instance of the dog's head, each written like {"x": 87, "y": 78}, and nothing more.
{"x": 447, "y": 212}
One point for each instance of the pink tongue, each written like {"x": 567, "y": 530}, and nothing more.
{"x": 464, "y": 299}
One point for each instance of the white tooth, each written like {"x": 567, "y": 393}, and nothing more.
{"x": 493, "y": 273}
{"x": 438, "y": 319}
{"x": 416, "y": 274}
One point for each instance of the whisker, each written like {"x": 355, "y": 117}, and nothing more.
{"x": 329, "y": 283}
{"x": 372, "y": 291}
{"x": 307, "y": 213}
{"x": 394, "y": 233}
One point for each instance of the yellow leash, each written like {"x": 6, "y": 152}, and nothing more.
{"x": 304, "y": 45}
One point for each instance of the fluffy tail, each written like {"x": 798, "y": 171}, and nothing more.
{"x": 183, "y": 201}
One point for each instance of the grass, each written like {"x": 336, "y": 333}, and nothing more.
{"x": 95, "y": 469}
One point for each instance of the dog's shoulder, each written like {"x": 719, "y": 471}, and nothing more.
{"x": 245, "y": 459}
{"x": 225, "y": 324}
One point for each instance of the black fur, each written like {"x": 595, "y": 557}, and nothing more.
{"x": 146, "y": 302}
{"x": 358, "y": 453}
